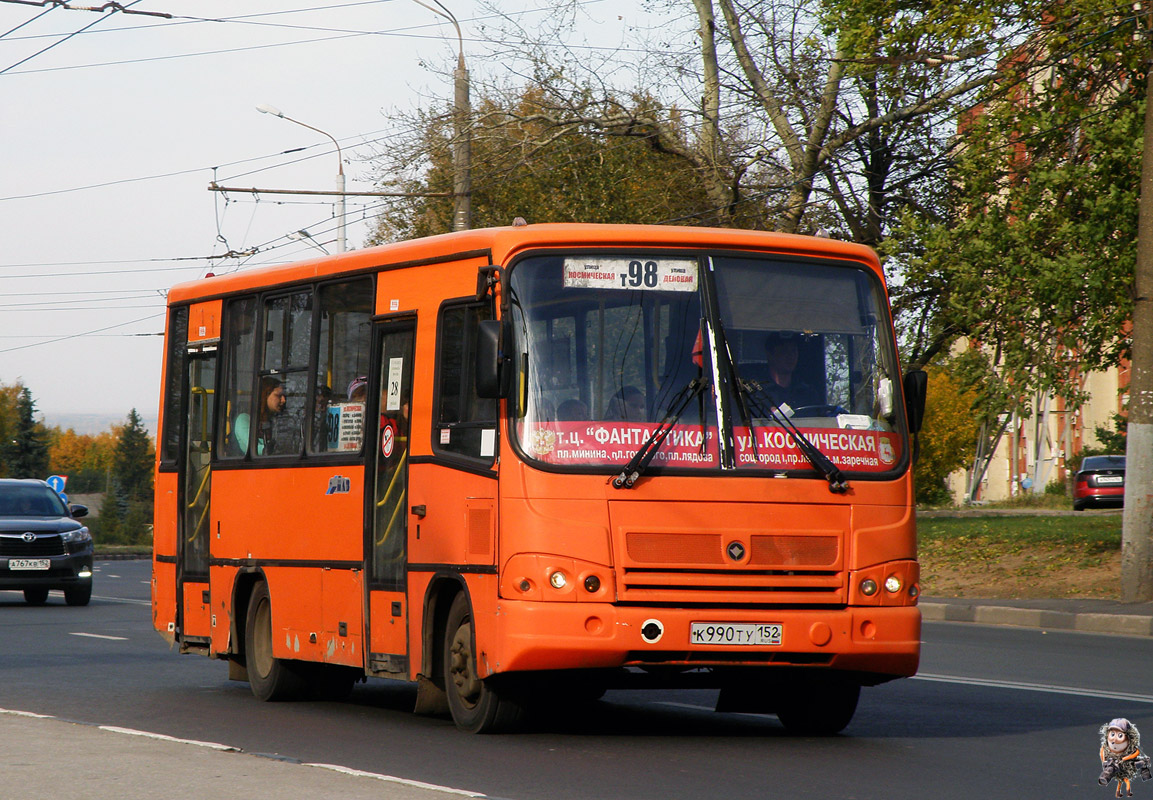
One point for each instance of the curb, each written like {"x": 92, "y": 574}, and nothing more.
{"x": 1086, "y": 622}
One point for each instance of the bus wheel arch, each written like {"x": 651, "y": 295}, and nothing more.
{"x": 488, "y": 705}
{"x": 271, "y": 678}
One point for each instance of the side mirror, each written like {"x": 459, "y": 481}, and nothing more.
{"x": 78, "y": 510}
{"x": 488, "y": 359}
{"x": 916, "y": 390}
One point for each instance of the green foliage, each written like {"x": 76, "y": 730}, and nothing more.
{"x": 24, "y": 448}
{"x": 1036, "y": 263}
{"x": 526, "y": 167}
{"x": 133, "y": 460}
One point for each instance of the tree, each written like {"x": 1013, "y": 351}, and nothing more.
{"x": 25, "y": 446}
{"x": 946, "y": 440}
{"x": 521, "y": 167}
{"x": 133, "y": 460}
{"x": 802, "y": 115}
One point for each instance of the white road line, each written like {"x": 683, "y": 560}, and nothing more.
{"x": 101, "y": 636}
{"x": 356, "y": 773}
{"x": 162, "y": 738}
{"x": 123, "y": 600}
{"x": 1035, "y": 687}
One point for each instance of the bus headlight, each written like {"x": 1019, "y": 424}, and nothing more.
{"x": 868, "y": 587}
{"x": 558, "y": 580}
{"x": 892, "y": 584}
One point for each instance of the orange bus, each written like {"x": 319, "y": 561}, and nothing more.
{"x": 532, "y": 463}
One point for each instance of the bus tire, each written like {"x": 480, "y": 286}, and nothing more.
{"x": 818, "y": 708}
{"x": 477, "y": 706}
{"x": 270, "y": 678}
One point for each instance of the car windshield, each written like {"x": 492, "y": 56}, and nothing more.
{"x": 30, "y": 501}
{"x": 606, "y": 345}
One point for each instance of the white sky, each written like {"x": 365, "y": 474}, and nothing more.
{"x": 141, "y": 109}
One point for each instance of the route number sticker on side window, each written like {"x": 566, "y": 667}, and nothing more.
{"x": 644, "y": 274}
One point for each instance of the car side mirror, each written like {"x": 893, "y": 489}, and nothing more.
{"x": 78, "y": 510}
{"x": 488, "y": 360}
{"x": 916, "y": 390}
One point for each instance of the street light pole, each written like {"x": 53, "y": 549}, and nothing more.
{"x": 341, "y": 240}
{"x": 462, "y": 138}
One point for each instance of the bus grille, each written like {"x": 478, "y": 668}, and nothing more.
{"x": 793, "y": 569}
{"x": 14, "y": 546}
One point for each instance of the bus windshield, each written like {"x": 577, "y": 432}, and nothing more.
{"x": 606, "y": 345}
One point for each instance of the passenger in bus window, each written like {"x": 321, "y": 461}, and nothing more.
{"x": 272, "y": 402}
{"x": 572, "y": 410}
{"x": 783, "y": 386}
{"x": 628, "y": 404}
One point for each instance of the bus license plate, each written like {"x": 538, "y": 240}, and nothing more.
{"x": 736, "y": 633}
{"x": 29, "y": 563}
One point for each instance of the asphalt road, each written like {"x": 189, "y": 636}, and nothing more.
{"x": 995, "y": 712}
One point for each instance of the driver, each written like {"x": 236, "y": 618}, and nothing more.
{"x": 784, "y": 386}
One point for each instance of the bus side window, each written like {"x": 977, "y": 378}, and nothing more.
{"x": 287, "y": 342}
{"x": 341, "y": 384}
{"x": 239, "y": 377}
{"x": 465, "y": 424}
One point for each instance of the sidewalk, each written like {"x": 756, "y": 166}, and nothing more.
{"x": 1086, "y": 616}
{"x": 50, "y": 757}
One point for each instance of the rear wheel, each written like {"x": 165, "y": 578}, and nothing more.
{"x": 78, "y": 595}
{"x": 270, "y": 678}
{"x": 477, "y": 705}
{"x": 35, "y": 596}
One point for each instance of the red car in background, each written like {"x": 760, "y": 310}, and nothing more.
{"x": 1100, "y": 482}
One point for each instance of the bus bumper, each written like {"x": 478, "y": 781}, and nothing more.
{"x": 884, "y": 641}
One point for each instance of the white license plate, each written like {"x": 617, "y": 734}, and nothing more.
{"x": 29, "y": 563}
{"x": 742, "y": 634}
{"x": 1102, "y": 479}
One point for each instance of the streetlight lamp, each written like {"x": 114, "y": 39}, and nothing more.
{"x": 264, "y": 108}
{"x": 462, "y": 140}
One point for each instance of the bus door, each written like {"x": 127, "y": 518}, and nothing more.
{"x": 388, "y": 502}
{"x": 193, "y": 613}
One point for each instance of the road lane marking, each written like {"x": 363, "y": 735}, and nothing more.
{"x": 1035, "y": 687}
{"x": 356, "y": 773}
{"x": 160, "y": 737}
{"x": 126, "y": 600}
{"x": 101, "y": 636}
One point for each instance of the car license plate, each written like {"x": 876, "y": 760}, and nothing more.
{"x": 29, "y": 563}
{"x": 1113, "y": 479}
{"x": 743, "y": 634}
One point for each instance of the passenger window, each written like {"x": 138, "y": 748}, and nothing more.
{"x": 239, "y": 376}
{"x": 465, "y": 424}
{"x": 283, "y": 387}
{"x": 345, "y": 328}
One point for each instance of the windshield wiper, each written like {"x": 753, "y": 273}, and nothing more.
{"x": 838, "y": 484}
{"x": 637, "y": 464}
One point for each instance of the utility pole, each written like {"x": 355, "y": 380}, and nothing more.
{"x": 461, "y": 135}
{"x": 461, "y": 148}
{"x": 1137, "y": 522}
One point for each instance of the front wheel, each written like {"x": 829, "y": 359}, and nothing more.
{"x": 36, "y": 596}
{"x": 477, "y": 706}
{"x": 818, "y": 708}
{"x": 78, "y": 595}
{"x": 270, "y": 678}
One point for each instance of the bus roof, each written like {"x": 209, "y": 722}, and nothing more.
{"x": 500, "y": 244}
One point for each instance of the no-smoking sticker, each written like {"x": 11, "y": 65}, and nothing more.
{"x": 388, "y": 438}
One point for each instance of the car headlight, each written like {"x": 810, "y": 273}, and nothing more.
{"x": 77, "y": 536}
